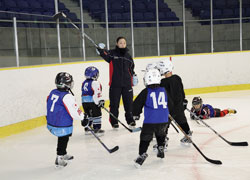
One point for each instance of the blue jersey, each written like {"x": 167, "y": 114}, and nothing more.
{"x": 57, "y": 114}
{"x": 156, "y": 109}
{"x": 87, "y": 91}
{"x": 207, "y": 110}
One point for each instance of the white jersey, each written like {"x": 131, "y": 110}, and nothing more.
{"x": 72, "y": 107}
{"x": 97, "y": 89}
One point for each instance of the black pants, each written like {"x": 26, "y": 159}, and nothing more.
{"x": 94, "y": 112}
{"x": 181, "y": 119}
{"x": 147, "y": 135}
{"x": 62, "y": 144}
{"x": 127, "y": 97}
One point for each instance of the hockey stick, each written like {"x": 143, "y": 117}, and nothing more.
{"x": 109, "y": 150}
{"x": 130, "y": 130}
{"x": 62, "y": 15}
{"x": 218, "y": 162}
{"x": 231, "y": 143}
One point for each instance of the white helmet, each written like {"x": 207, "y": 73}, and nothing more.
{"x": 165, "y": 66}
{"x": 152, "y": 76}
{"x": 151, "y": 66}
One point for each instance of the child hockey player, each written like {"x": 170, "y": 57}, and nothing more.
{"x": 155, "y": 101}
{"x": 205, "y": 111}
{"x": 61, "y": 110}
{"x": 92, "y": 99}
{"x": 174, "y": 87}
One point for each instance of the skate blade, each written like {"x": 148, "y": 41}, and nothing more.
{"x": 185, "y": 144}
{"x": 60, "y": 167}
{"x": 138, "y": 166}
{"x": 99, "y": 134}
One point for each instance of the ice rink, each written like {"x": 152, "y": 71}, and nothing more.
{"x": 31, "y": 155}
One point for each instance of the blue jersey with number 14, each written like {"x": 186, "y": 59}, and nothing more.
{"x": 156, "y": 109}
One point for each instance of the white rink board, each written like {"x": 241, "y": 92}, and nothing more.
{"x": 24, "y": 91}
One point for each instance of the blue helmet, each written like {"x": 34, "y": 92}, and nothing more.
{"x": 91, "y": 72}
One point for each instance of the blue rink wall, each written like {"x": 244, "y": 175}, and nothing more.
{"x": 24, "y": 90}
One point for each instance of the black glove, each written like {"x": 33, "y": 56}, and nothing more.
{"x": 85, "y": 121}
{"x": 99, "y": 50}
{"x": 136, "y": 118}
{"x": 101, "y": 103}
{"x": 185, "y": 102}
{"x": 192, "y": 117}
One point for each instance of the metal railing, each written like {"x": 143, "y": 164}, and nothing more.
{"x": 47, "y": 41}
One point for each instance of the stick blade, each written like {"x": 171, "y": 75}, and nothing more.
{"x": 238, "y": 143}
{"x": 114, "y": 149}
{"x": 217, "y": 162}
{"x": 136, "y": 129}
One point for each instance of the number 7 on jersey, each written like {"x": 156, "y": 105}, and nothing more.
{"x": 54, "y": 98}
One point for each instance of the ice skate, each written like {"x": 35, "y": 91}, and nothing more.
{"x": 160, "y": 153}
{"x": 232, "y": 111}
{"x": 165, "y": 145}
{"x": 185, "y": 140}
{"x": 140, "y": 159}
{"x": 60, "y": 162}
{"x": 99, "y": 132}
{"x": 87, "y": 131}
{"x": 68, "y": 157}
{"x": 132, "y": 125}
{"x": 115, "y": 127}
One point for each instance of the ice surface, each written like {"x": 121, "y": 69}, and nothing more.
{"x": 31, "y": 155}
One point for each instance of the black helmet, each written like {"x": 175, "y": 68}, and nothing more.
{"x": 196, "y": 101}
{"x": 64, "y": 81}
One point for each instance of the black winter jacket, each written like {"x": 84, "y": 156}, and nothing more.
{"x": 121, "y": 67}
{"x": 175, "y": 89}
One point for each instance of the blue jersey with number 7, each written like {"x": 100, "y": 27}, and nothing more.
{"x": 156, "y": 107}
{"x": 57, "y": 114}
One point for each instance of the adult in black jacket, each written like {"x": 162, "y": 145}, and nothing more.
{"x": 121, "y": 72}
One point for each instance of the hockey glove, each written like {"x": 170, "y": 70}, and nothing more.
{"x": 136, "y": 118}
{"x": 100, "y": 48}
{"x": 85, "y": 121}
{"x": 101, "y": 103}
{"x": 185, "y": 102}
{"x": 135, "y": 80}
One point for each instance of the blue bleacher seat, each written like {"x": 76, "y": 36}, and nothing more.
{"x": 171, "y": 16}
{"x": 196, "y": 7}
{"x": 162, "y": 16}
{"x": 233, "y": 4}
{"x": 117, "y": 7}
{"x": 138, "y": 16}
{"x": 237, "y": 13}
{"x": 35, "y": 6}
{"x": 217, "y": 14}
{"x": 11, "y": 5}
{"x": 245, "y": 3}
{"x": 116, "y": 17}
{"x": 126, "y": 17}
{"x": 23, "y": 5}
{"x": 228, "y": 13}
{"x": 247, "y": 12}
{"x": 165, "y": 24}
{"x": 149, "y": 16}
{"x": 139, "y": 7}
{"x": 220, "y": 4}
{"x": 205, "y": 14}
